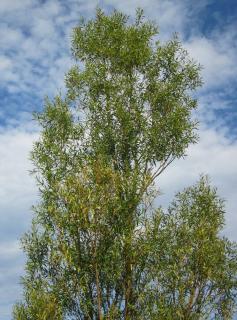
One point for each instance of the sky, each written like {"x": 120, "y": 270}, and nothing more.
{"x": 34, "y": 56}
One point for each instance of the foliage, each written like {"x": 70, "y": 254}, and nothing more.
{"x": 39, "y": 305}
{"x": 97, "y": 248}
{"x": 192, "y": 266}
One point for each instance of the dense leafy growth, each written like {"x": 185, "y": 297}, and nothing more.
{"x": 97, "y": 248}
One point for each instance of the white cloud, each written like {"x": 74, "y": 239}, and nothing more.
{"x": 9, "y": 249}
{"x": 214, "y": 155}
{"x": 17, "y": 194}
{"x": 7, "y": 6}
{"x": 33, "y": 45}
{"x": 42, "y": 28}
{"x": 13, "y": 38}
{"x": 11, "y": 268}
{"x": 17, "y": 189}
{"x": 217, "y": 55}
{"x": 5, "y": 63}
{"x": 6, "y": 70}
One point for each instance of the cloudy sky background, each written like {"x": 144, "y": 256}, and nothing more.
{"x": 35, "y": 54}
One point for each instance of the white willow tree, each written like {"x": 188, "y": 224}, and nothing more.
{"x": 97, "y": 249}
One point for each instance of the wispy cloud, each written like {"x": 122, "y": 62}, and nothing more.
{"x": 217, "y": 55}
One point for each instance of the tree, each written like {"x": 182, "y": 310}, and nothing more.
{"x": 93, "y": 247}
{"x": 192, "y": 266}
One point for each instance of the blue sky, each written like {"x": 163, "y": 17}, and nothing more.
{"x": 35, "y": 54}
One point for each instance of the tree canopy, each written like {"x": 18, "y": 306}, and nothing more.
{"x": 98, "y": 249}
